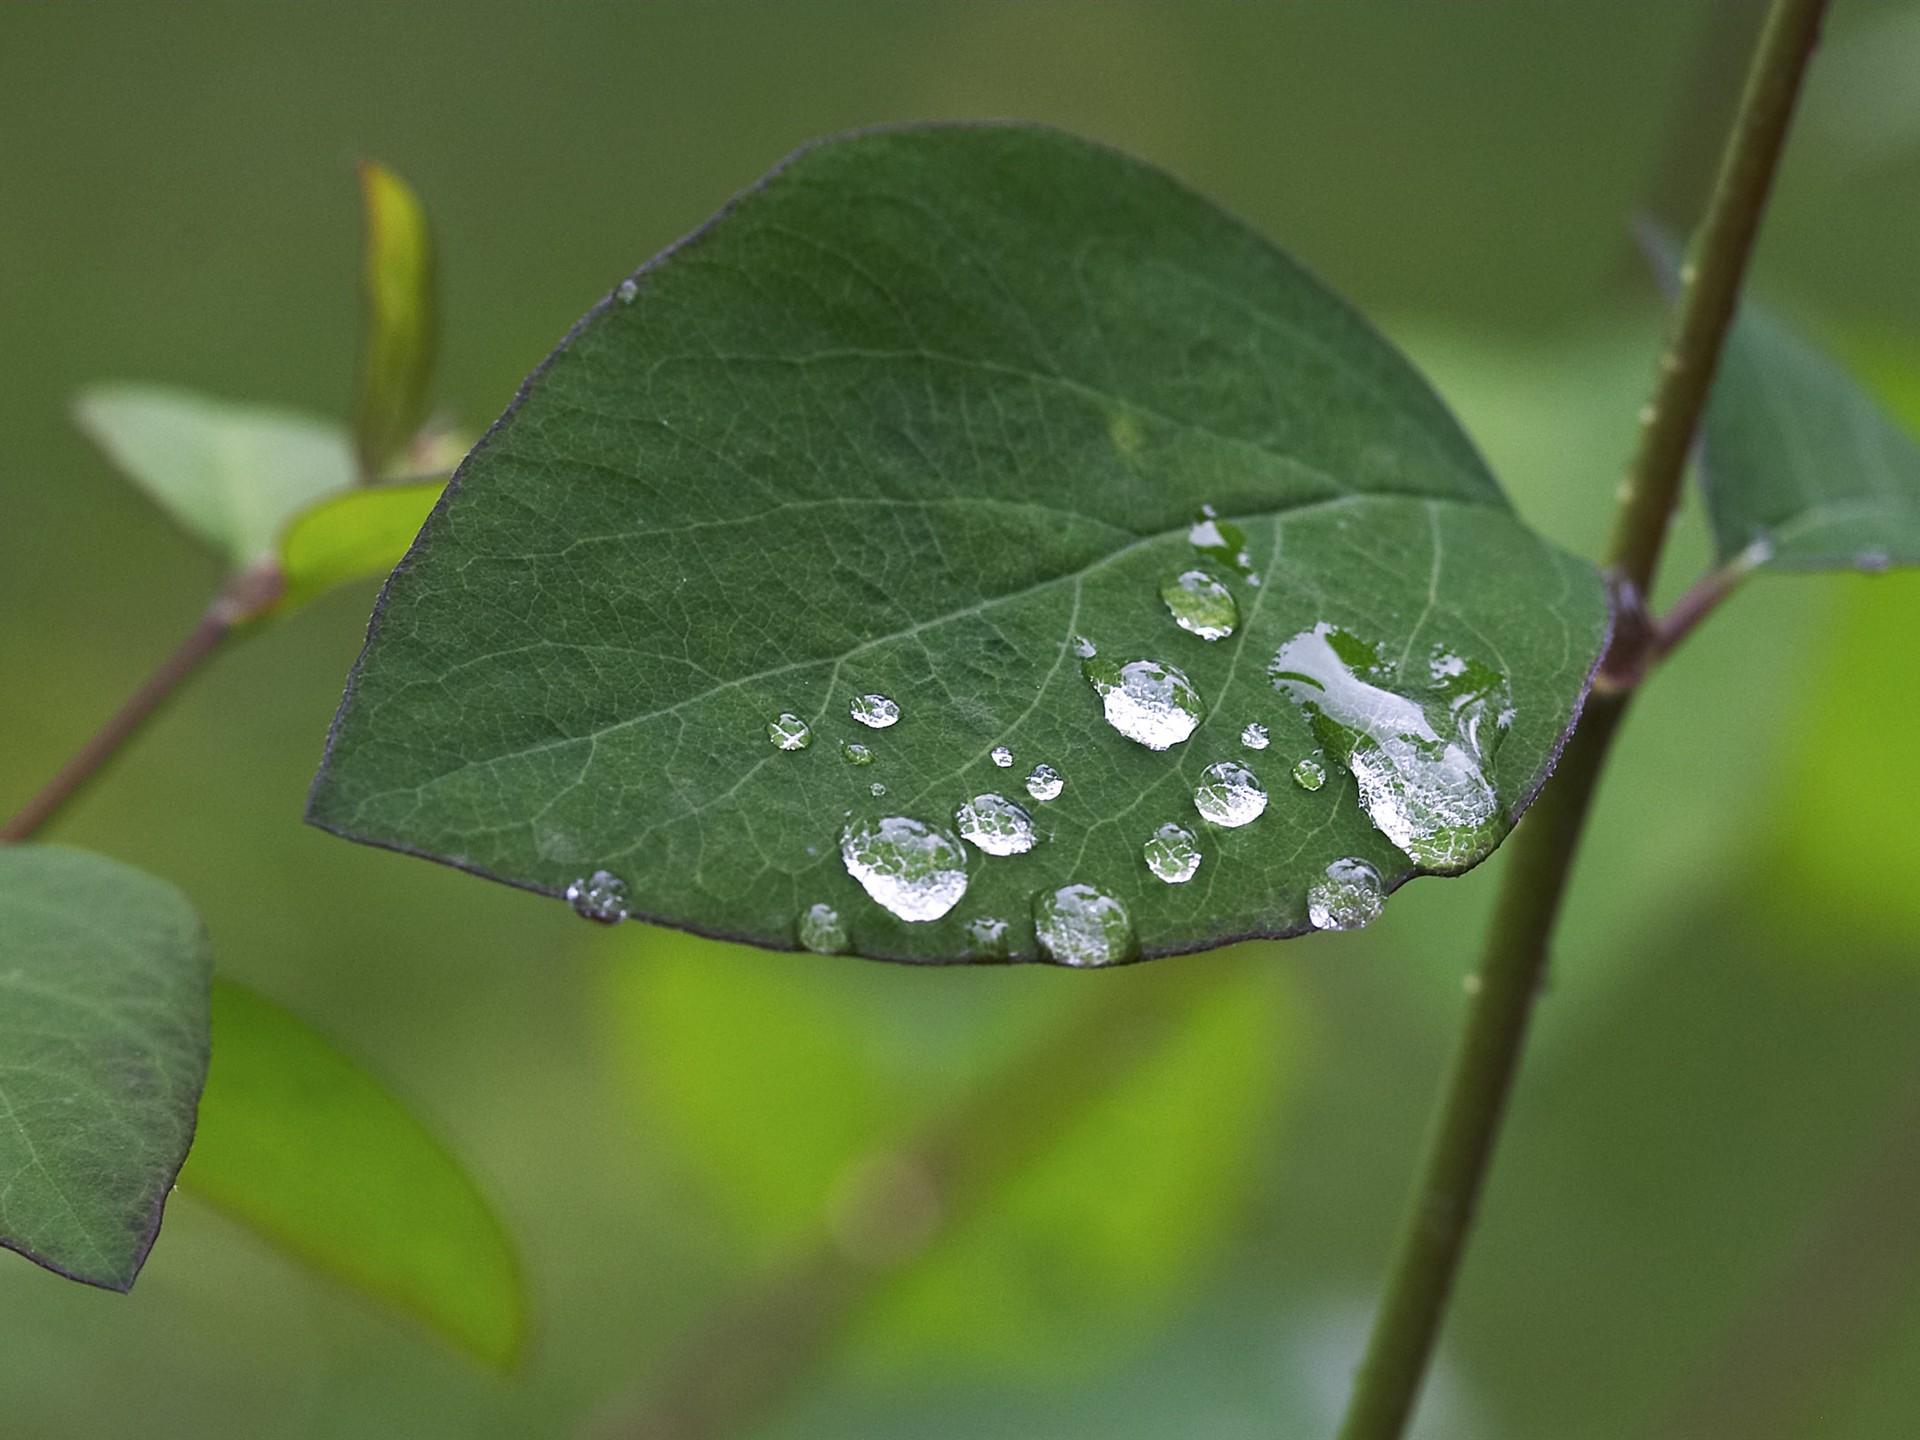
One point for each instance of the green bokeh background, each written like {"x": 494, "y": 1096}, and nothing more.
{"x": 1729, "y": 1052}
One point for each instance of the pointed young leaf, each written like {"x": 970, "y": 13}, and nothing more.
{"x": 103, "y": 1049}
{"x": 231, "y": 474}
{"x": 906, "y": 419}
{"x": 402, "y": 324}
{"x": 305, "y": 1147}
{"x": 351, "y": 536}
{"x": 1801, "y": 467}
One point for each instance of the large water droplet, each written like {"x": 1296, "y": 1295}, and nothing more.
{"x": 601, "y": 896}
{"x": 1045, "y": 783}
{"x": 996, "y": 825}
{"x": 876, "y": 712}
{"x": 1200, "y": 604}
{"x": 1222, "y": 542}
{"x": 1347, "y": 897}
{"x": 789, "y": 732}
{"x": 988, "y": 938}
{"x": 1152, "y": 704}
{"x": 1173, "y": 854}
{"x": 856, "y": 753}
{"x": 1079, "y": 925}
{"x": 917, "y": 871}
{"x": 1229, "y": 794}
{"x": 1002, "y": 756}
{"x": 1254, "y": 737}
{"x": 822, "y": 931}
{"x": 1418, "y": 761}
{"x": 1309, "y": 773}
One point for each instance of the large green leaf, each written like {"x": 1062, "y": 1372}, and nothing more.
{"x": 103, "y": 1048}
{"x": 231, "y": 474}
{"x": 314, "y": 1153}
{"x": 908, "y": 419}
{"x": 1801, "y": 467}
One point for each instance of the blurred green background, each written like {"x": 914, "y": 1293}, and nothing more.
{"x": 1704, "y": 1194}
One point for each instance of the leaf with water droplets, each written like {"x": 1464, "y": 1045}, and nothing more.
{"x": 103, "y": 1049}
{"x": 916, "y": 431}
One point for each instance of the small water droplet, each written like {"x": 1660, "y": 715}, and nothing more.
{"x": 1084, "y": 648}
{"x": 915, "y": 870}
{"x": 856, "y": 753}
{"x": 1418, "y": 761}
{"x": 876, "y": 789}
{"x": 1200, "y": 604}
{"x": 876, "y": 712}
{"x": 627, "y": 290}
{"x": 1150, "y": 703}
{"x": 1309, "y": 773}
{"x": 1173, "y": 855}
{"x": 1347, "y": 897}
{"x": 789, "y": 732}
{"x": 1254, "y": 737}
{"x": 1229, "y": 794}
{"x": 995, "y": 824}
{"x": 1002, "y": 756}
{"x": 1873, "y": 562}
{"x": 1081, "y": 926}
{"x": 1222, "y": 542}
{"x": 988, "y": 938}
{"x": 822, "y": 931}
{"x": 601, "y": 897}
{"x": 1044, "y": 783}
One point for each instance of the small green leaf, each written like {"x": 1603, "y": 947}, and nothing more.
{"x": 231, "y": 474}
{"x": 1801, "y": 468}
{"x": 305, "y": 1147}
{"x": 402, "y": 325}
{"x": 350, "y": 536}
{"x": 909, "y": 419}
{"x": 103, "y": 1048}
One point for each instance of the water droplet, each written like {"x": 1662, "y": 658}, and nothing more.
{"x": 1347, "y": 897}
{"x": 1173, "y": 854}
{"x": 1222, "y": 542}
{"x": 1084, "y": 648}
{"x": 856, "y": 753}
{"x": 1149, "y": 703}
{"x": 1002, "y": 756}
{"x": 1229, "y": 794}
{"x": 1044, "y": 783}
{"x": 1200, "y": 604}
{"x": 1309, "y": 773}
{"x": 1254, "y": 737}
{"x": 917, "y": 871}
{"x": 876, "y": 789}
{"x": 1418, "y": 761}
{"x": 1873, "y": 562}
{"x": 1079, "y": 925}
{"x": 876, "y": 712}
{"x": 789, "y": 732}
{"x": 996, "y": 825}
{"x": 601, "y": 896}
{"x": 988, "y": 938}
{"x": 627, "y": 290}
{"x": 822, "y": 931}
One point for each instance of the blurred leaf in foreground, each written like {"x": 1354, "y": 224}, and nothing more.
{"x": 305, "y": 1147}
{"x": 402, "y": 322}
{"x": 103, "y": 1049}
{"x": 231, "y": 474}
{"x": 353, "y": 535}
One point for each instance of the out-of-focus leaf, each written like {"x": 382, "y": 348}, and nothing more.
{"x": 402, "y": 324}
{"x": 103, "y": 1047}
{"x": 782, "y": 1086}
{"x": 231, "y": 474}
{"x": 1797, "y": 459}
{"x": 906, "y": 419}
{"x": 305, "y": 1147}
{"x": 350, "y": 536}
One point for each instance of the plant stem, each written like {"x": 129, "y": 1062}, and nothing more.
{"x": 248, "y": 595}
{"x": 1459, "y": 1149}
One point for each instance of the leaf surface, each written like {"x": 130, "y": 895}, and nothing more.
{"x": 103, "y": 1047}
{"x": 909, "y": 419}
{"x": 307, "y": 1148}
{"x": 231, "y": 474}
